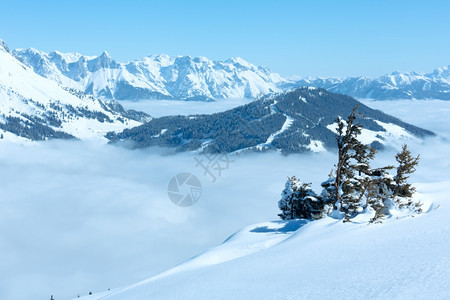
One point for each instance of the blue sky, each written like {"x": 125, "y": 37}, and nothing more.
{"x": 307, "y": 38}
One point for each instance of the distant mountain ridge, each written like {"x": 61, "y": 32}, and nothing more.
{"x": 199, "y": 78}
{"x": 297, "y": 121}
{"x": 153, "y": 77}
{"x": 434, "y": 85}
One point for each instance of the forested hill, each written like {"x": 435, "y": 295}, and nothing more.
{"x": 291, "y": 122}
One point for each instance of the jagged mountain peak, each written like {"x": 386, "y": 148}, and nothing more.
{"x": 69, "y": 57}
{"x": 103, "y": 61}
{"x": 165, "y": 59}
{"x": 31, "y": 50}
{"x": 442, "y": 72}
{"x": 105, "y": 54}
{"x": 238, "y": 61}
{"x": 395, "y": 73}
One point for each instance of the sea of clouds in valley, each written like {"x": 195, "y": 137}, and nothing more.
{"x": 78, "y": 216}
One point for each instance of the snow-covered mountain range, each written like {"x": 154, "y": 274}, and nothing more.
{"x": 36, "y": 108}
{"x": 291, "y": 122}
{"x": 434, "y": 85}
{"x": 154, "y": 77}
{"x": 199, "y": 78}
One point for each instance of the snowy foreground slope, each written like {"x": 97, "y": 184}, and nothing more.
{"x": 405, "y": 257}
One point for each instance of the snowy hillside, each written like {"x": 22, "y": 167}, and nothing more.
{"x": 434, "y": 85}
{"x": 301, "y": 120}
{"x": 403, "y": 258}
{"x": 154, "y": 77}
{"x": 36, "y": 108}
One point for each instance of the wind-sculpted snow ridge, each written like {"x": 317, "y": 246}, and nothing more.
{"x": 404, "y": 257}
{"x": 36, "y": 108}
{"x": 302, "y": 120}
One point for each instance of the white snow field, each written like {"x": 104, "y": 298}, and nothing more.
{"x": 406, "y": 258}
{"x": 78, "y": 217}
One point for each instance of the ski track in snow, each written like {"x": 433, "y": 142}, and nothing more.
{"x": 286, "y": 125}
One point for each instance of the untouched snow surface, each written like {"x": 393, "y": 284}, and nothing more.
{"x": 78, "y": 217}
{"x": 327, "y": 259}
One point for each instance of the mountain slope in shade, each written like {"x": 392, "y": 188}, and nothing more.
{"x": 434, "y": 85}
{"x": 36, "y": 108}
{"x": 402, "y": 258}
{"x": 296, "y": 121}
{"x": 154, "y": 77}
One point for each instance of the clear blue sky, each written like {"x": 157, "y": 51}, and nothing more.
{"x": 307, "y": 38}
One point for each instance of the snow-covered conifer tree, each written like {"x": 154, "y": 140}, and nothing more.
{"x": 353, "y": 167}
{"x": 403, "y": 190}
{"x": 299, "y": 201}
{"x": 379, "y": 192}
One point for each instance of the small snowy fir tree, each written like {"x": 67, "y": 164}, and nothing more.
{"x": 403, "y": 190}
{"x": 379, "y": 193}
{"x": 286, "y": 202}
{"x": 328, "y": 193}
{"x": 353, "y": 167}
{"x": 298, "y": 201}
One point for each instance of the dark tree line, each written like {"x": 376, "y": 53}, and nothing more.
{"x": 32, "y": 129}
